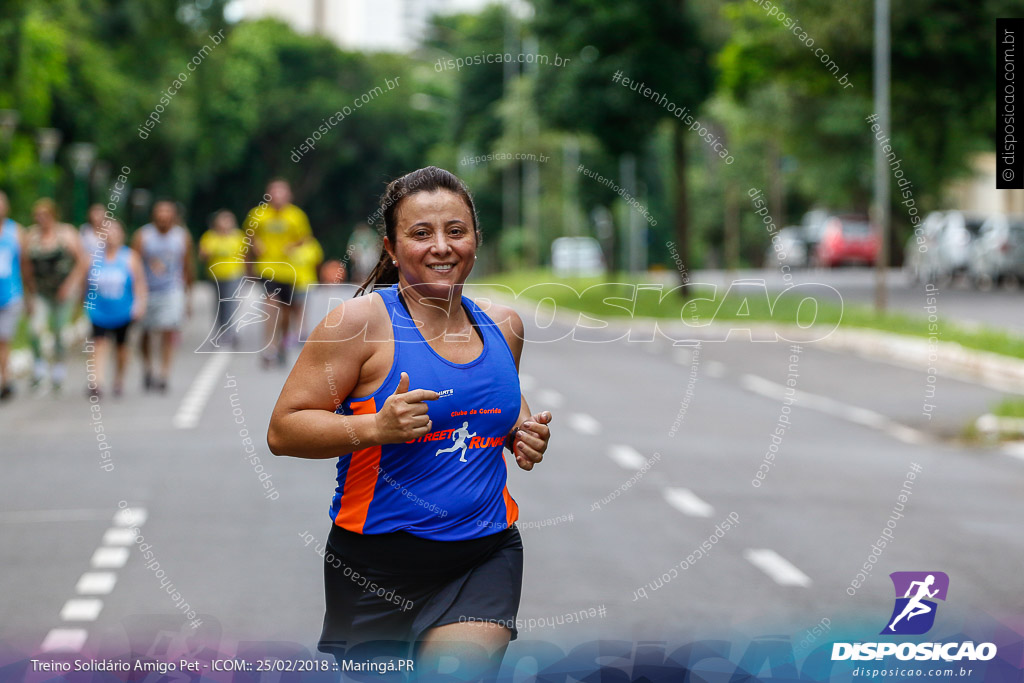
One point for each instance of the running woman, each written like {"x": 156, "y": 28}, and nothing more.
{"x": 14, "y": 269}
{"x": 92, "y": 231}
{"x": 279, "y": 226}
{"x": 116, "y": 297}
{"x": 166, "y": 251}
{"x": 422, "y": 549}
{"x": 58, "y": 268}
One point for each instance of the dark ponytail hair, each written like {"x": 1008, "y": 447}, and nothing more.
{"x": 426, "y": 179}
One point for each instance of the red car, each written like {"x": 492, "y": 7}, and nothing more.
{"x": 847, "y": 238}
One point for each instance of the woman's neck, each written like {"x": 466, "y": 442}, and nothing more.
{"x": 434, "y": 305}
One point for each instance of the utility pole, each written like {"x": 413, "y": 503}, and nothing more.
{"x": 882, "y": 209}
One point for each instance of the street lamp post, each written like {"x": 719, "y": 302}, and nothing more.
{"x": 48, "y": 140}
{"x": 8, "y": 124}
{"x": 140, "y": 204}
{"x": 83, "y": 155}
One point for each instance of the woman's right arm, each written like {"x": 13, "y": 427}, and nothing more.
{"x": 304, "y": 424}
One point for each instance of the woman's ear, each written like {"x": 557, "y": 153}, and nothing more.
{"x": 389, "y": 248}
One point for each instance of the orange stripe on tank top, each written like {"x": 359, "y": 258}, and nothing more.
{"x": 361, "y": 479}
{"x": 511, "y": 509}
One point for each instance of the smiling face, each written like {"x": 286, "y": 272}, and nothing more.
{"x": 435, "y": 240}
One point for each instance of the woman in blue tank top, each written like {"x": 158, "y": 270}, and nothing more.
{"x": 12, "y": 255}
{"x": 417, "y": 395}
{"x": 116, "y": 296}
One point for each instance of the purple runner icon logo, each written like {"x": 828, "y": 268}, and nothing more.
{"x": 918, "y": 591}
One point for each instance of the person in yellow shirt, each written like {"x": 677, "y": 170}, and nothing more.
{"x": 306, "y": 257}
{"x": 277, "y": 226}
{"x": 222, "y": 249}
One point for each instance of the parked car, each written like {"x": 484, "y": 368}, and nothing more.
{"x": 847, "y": 238}
{"x": 997, "y": 254}
{"x": 953, "y": 245}
{"x": 920, "y": 258}
{"x": 792, "y": 251}
{"x": 577, "y": 256}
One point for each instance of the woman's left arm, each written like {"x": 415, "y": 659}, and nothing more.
{"x": 529, "y": 439}
{"x": 80, "y": 269}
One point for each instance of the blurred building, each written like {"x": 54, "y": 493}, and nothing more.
{"x": 978, "y": 193}
{"x": 367, "y": 25}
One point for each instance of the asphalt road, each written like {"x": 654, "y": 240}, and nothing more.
{"x": 652, "y": 447}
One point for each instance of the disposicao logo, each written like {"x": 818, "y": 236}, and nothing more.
{"x": 918, "y": 589}
{"x": 913, "y": 615}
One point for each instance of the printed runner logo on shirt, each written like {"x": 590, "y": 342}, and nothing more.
{"x": 463, "y": 440}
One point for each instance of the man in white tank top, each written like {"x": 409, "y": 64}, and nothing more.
{"x": 166, "y": 251}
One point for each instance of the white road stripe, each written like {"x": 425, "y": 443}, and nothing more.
{"x": 96, "y": 583}
{"x": 109, "y": 558}
{"x": 81, "y": 609}
{"x": 712, "y": 368}
{"x": 777, "y": 567}
{"x": 844, "y": 411}
{"x": 66, "y": 639}
{"x": 626, "y": 457}
{"x": 191, "y": 408}
{"x": 131, "y": 517}
{"x": 119, "y": 535}
{"x": 688, "y": 503}
{"x": 548, "y": 398}
{"x": 584, "y": 424}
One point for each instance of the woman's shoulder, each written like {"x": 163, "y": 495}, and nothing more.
{"x": 503, "y": 316}
{"x": 507, "y": 321}
{"x": 345, "y": 322}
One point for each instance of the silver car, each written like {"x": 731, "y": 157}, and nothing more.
{"x": 953, "y": 244}
{"x": 920, "y": 256}
{"x": 788, "y": 248}
{"x": 997, "y": 254}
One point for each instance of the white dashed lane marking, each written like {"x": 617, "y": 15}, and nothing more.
{"x": 777, "y": 567}
{"x": 64, "y": 639}
{"x": 584, "y": 424}
{"x": 109, "y": 558}
{"x": 549, "y": 399}
{"x": 712, "y": 368}
{"x": 113, "y": 554}
{"x": 119, "y": 536}
{"x": 96, "y": 583}
{"x": 81, "y": 609}
{"x": 191, "y": 408}
{"x": 687, "y": 502}
{"x": 626, "y": 457}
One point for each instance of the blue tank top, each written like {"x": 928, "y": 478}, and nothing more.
{"x": 10, "y": 263}
{"x": 163, "y": 255}
{"x": 111, "y": 294}
{"x": 448, "y": 484}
